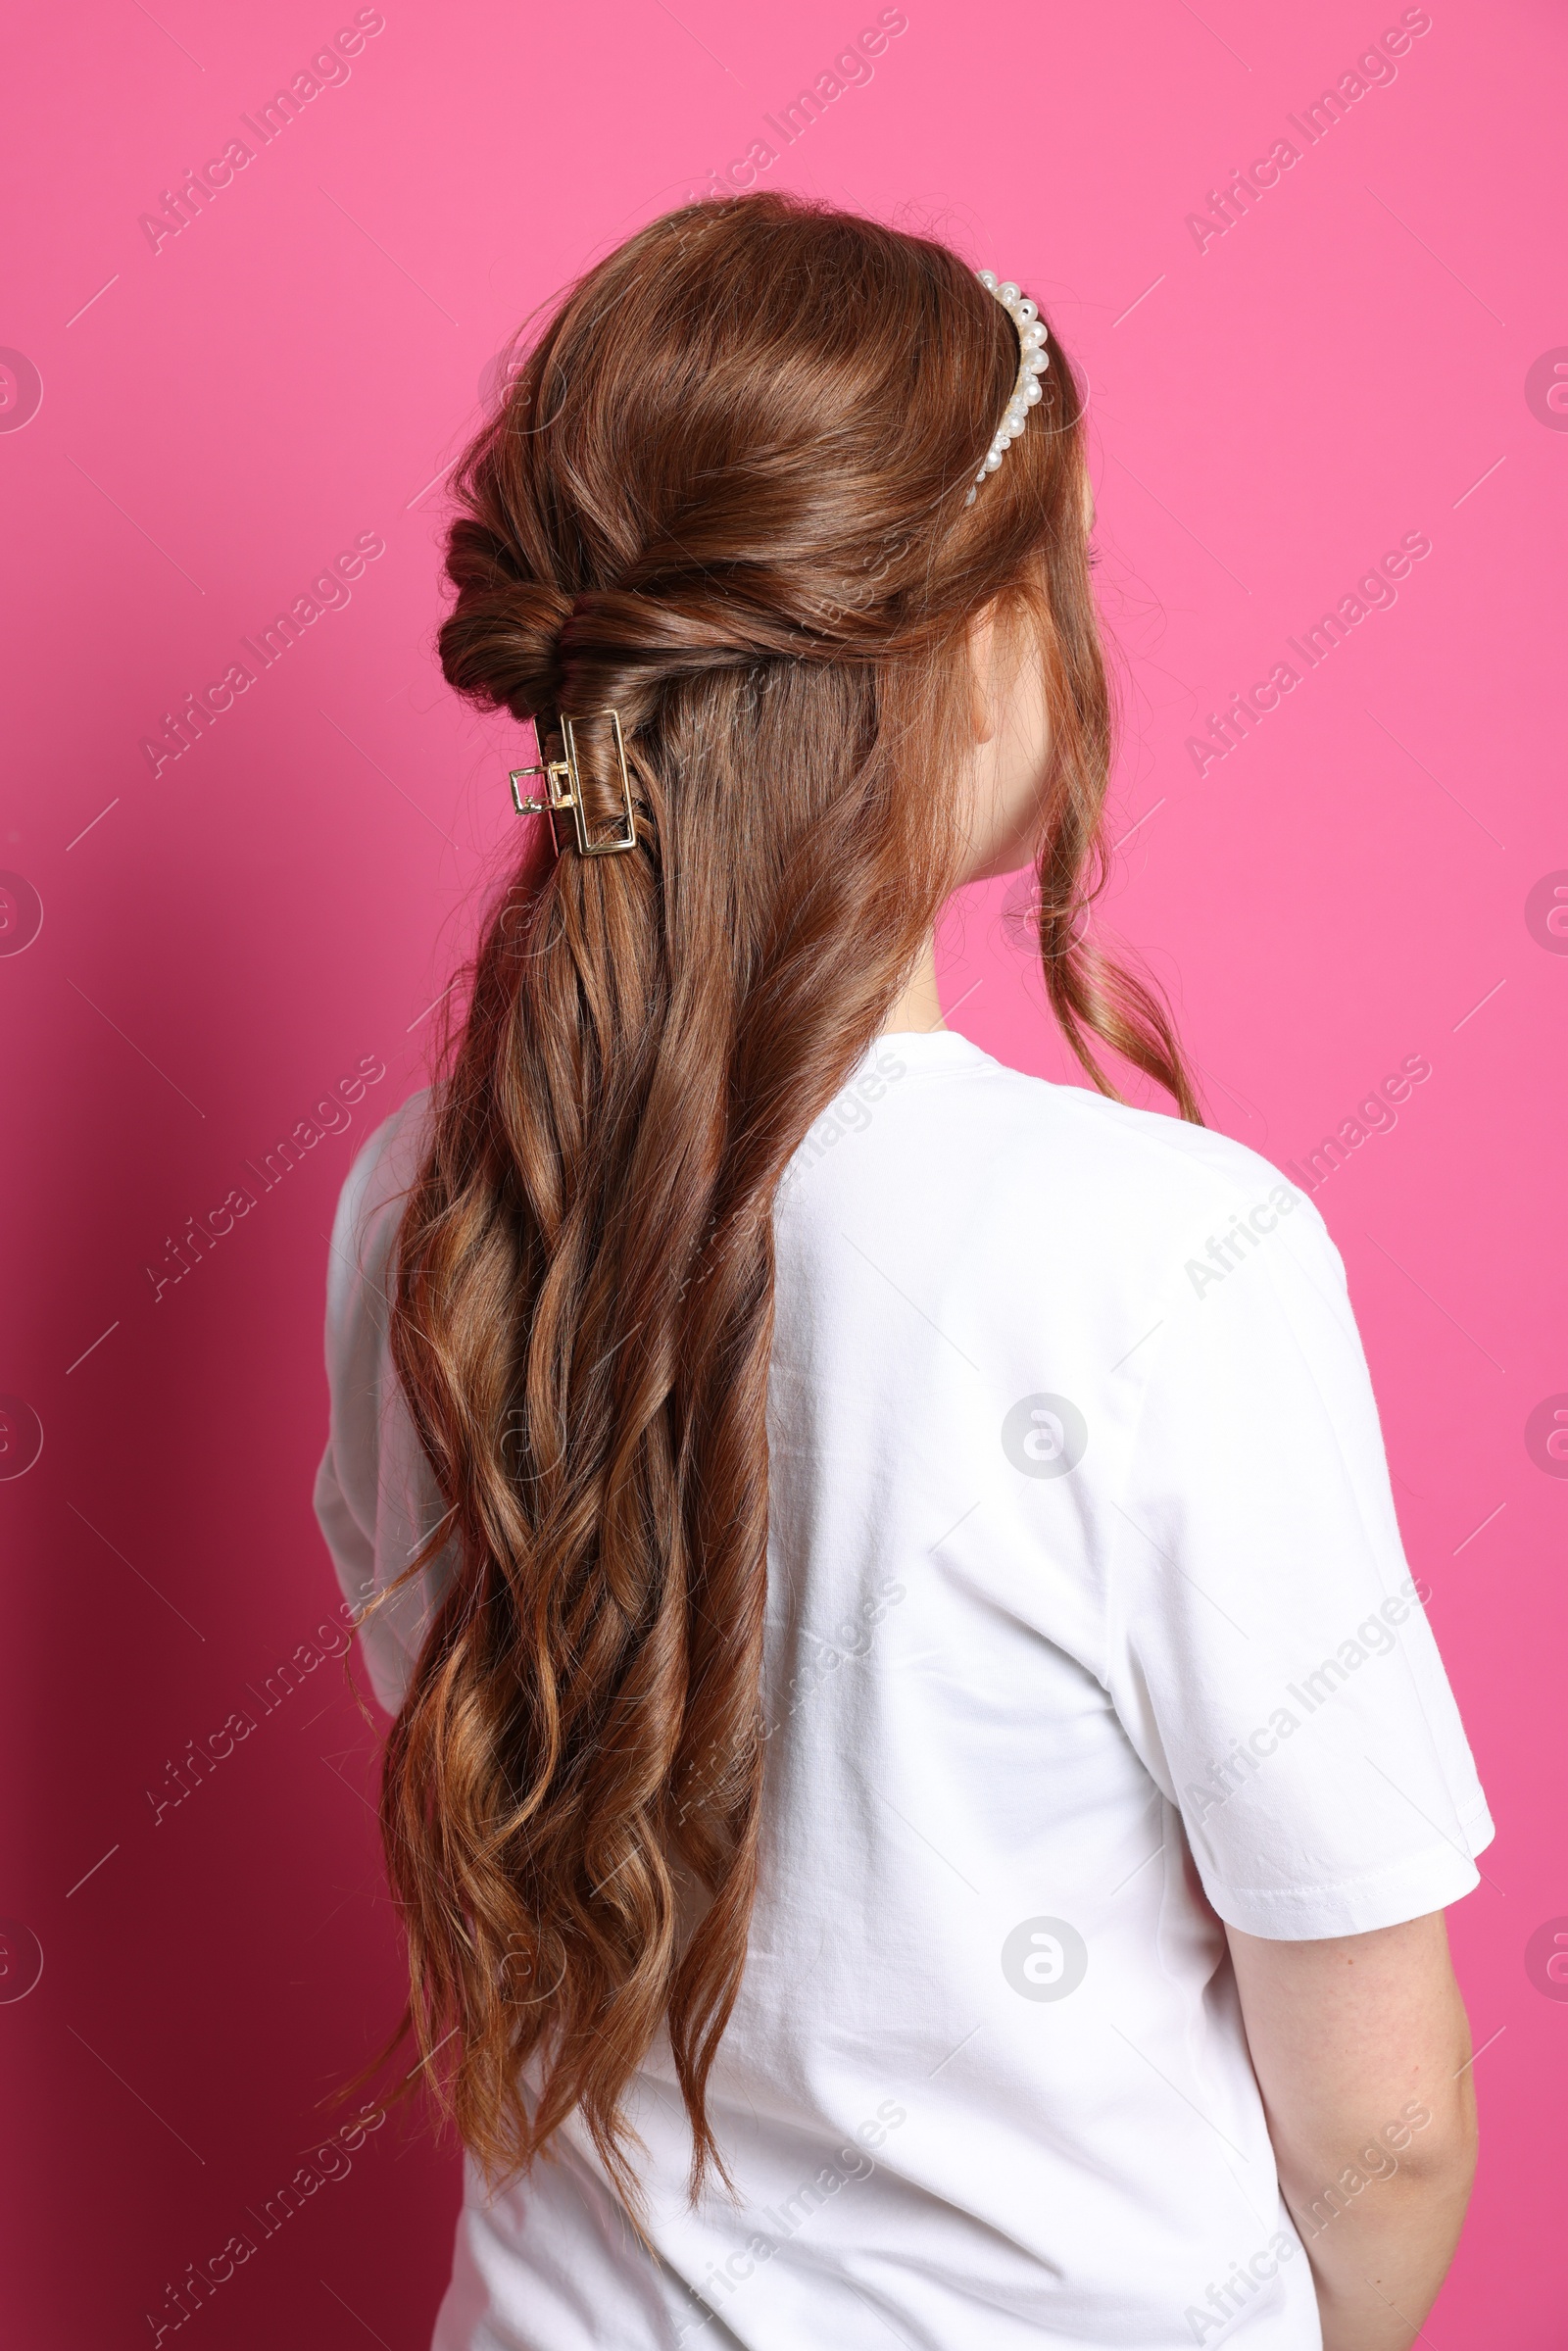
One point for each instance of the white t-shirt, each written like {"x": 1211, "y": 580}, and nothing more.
{"x": 1088, "y": 1619}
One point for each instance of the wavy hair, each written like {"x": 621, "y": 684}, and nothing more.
{"x": 725, "y": 495}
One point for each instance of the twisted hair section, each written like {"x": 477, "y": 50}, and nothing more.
{"x": 725, "y": 496}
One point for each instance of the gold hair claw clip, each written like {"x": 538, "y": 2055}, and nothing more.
{"x": 564, "y": 789}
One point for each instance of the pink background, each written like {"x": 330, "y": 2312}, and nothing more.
{"x": 222, "y": 941}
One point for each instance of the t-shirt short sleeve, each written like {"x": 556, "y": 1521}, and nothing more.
{"x": 1270, "y": 1654}
{"x": 376, "y": 1497}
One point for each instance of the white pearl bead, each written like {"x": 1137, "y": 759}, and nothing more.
{"x": 1033, "y": 361}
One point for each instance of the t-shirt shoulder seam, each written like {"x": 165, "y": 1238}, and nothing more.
{"x": 371, "y": 1165}
{"x": 1148, "y": 1130}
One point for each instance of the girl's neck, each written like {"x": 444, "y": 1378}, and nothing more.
{"x": 919, "y": 1006}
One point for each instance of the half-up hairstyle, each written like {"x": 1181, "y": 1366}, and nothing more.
{"x": 725, "y": 495}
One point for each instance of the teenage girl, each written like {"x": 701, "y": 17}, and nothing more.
{"x": 921, "y": 1794}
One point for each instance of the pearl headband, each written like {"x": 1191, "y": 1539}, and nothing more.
{"x": 1033, "y": 361}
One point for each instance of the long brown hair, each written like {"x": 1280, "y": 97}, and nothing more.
{"x": 725, "y": 496}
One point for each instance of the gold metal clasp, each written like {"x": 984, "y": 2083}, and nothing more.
{"x": 564, "y": 789}
{"x": 540, "y": 807}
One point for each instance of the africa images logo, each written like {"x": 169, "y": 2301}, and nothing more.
{"x": 1545, "y": 388}
{"x": 1045, "y": 1959}
{"x": 21, "y": 390}
{"x": 1045, "y": 1436}
{"x": 20, "y": 913}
